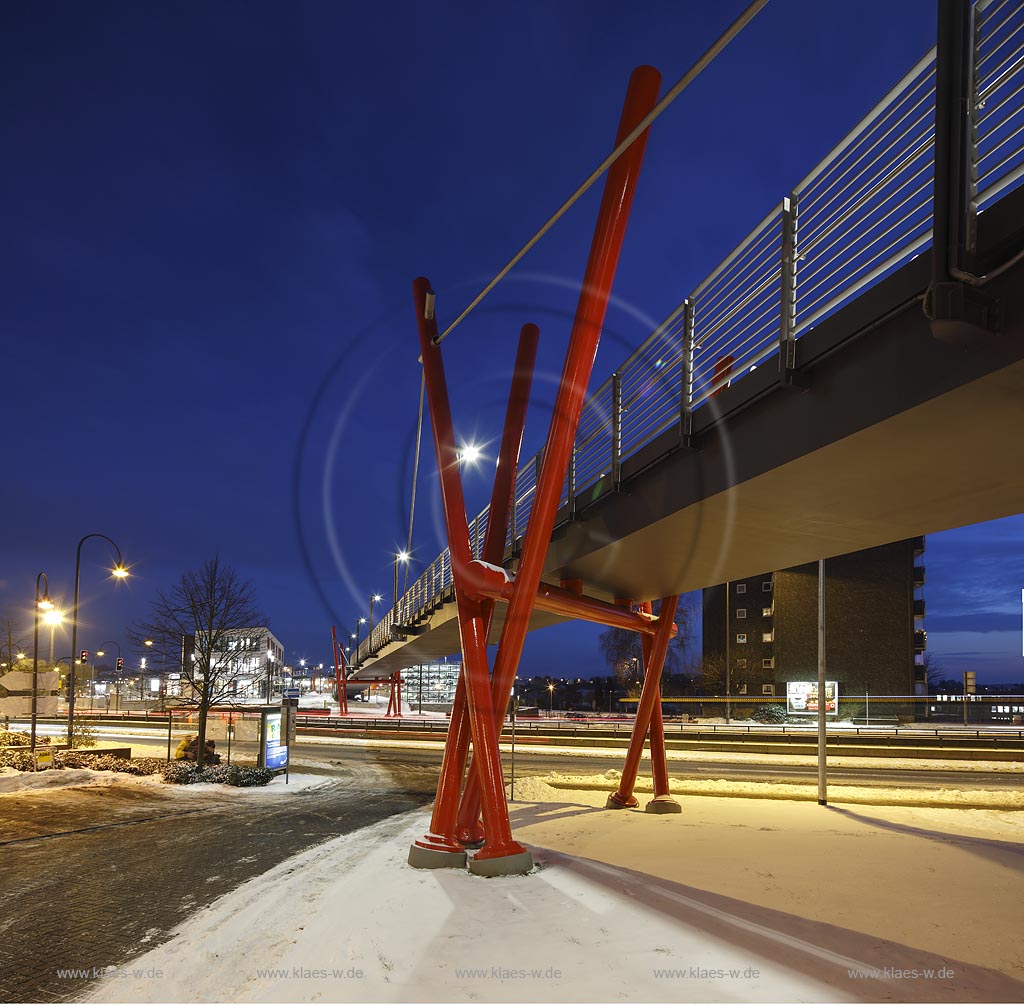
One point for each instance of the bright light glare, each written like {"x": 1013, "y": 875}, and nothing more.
{"x": 362, "y": 621}
{"x": 375, "y": 598}
{"x": 470, "y": 453}
{"x": 403, "y": 556}
{"x": 53, "y": 617}
{"x": 21, "y": 656}
{"x": 46, "y": 604}
{"x": 148, "y": 642}
{"x": 119, "y": 572}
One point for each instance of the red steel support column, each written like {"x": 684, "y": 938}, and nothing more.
{"x": 651, "y": 693}
{"x": 620, "y": 185}
{"x": 501, "y": 854}
{"x": 468, "y": 829}
{"x": 339, "y": 673}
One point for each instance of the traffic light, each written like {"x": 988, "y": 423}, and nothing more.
{"x": 120, "y": 664}
{"x": 85, "y": 656}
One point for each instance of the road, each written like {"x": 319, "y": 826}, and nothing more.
{"x": 322, "y": 754}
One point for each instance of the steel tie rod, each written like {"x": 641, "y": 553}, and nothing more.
{"x": 723, "y": 40}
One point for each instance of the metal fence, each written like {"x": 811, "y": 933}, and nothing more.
{"x": 861, "y": 213}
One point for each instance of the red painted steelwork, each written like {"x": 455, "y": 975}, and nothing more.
{"x": 620, "y": 185}
{"x": 723, "y": 367}
{"x": 472, "y": 623}
{"x": 339, "y": 673}
{"x": 493, "y": 551}
{"x": 650, "y": 695}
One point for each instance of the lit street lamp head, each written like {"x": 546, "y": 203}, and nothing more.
{"x": 119, "y": 572}
{"x": 53, "y": 616}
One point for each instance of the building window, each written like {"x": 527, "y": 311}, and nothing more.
{"x": 741, "y": 664}
{"x": 768, "y": 664}
{"x": 741, "y": 640}
{"x": 766, "y": 586}
{"x": 741, "y": 587}
{"x": 742, "y": 689}
{"x": 767, "y": 636}
{"x": 741, "y": 612}
{"x": 766, "y": 612}
{"x": 768, "y": 689}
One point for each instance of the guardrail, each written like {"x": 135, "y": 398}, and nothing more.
{"x": 863, "y": 212}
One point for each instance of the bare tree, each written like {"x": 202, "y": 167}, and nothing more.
{"x": 712, "y": 673}
{"x": 623, "y": 652}
{"x": 209, "y": 607}
{"x": 933, "y": 671}
{"x": 11, "y": 643}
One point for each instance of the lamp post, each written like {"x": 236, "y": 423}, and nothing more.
{"x": 43, "y": 603}
{"x": 118, "y": 572}
{"x": 374, "y": 599}
{"x": 100, "y": 652}
{"x": 551, "y": 700}
{"x": 403, "y": 558}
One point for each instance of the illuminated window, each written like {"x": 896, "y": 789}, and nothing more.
{"x": 768, "y": 636}
{"x": 741, "y": 640}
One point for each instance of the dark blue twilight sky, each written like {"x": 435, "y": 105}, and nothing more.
{"x": 212, "y": 214}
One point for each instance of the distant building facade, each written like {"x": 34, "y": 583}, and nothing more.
{"x": 765, "y": 628}
{"x": 252, "y": 657}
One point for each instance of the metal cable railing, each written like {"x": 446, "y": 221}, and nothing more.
{"x": 861, "y": 213}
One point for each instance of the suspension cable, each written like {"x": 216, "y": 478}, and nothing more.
{"x": 415, "y": 475}
{"x": 723, "y": 40}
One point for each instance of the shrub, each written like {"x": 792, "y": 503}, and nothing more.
{"x": 181, "y": 773}
{"x": 15, "y": 738}
{"x": 770, "y": 714}
{"x": 250, "y": 776}
{"x": 220, "y": 773}
{"x": 20, "y": 759}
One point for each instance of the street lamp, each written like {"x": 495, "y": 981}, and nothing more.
{"x": 470, "y": 453}
{"x": 374, "y": 599}
{"x": 51, "y": 617}
{"x": 551, "y": 699}
{"x": 403, "y": 557}
{"x": 118, "y": 572}
{"x": 42, "y": 604}
{"x": 100, "y": 652}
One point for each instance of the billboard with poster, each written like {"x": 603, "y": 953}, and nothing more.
{"x": 802, "y": 697}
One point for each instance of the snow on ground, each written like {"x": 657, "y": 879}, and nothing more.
{"x": 13, "y": 781}
{"x": 733, "y": 900}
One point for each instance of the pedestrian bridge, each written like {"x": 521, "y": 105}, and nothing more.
{"x": 798, "y": 404}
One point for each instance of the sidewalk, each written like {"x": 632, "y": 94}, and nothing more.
{"x": 733, "y": 900}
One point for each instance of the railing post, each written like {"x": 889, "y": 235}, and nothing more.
{"x": 971, "y": 136}
{"x": 571, "y": 490}
{"x": 787, "y": 295}
{"x": 958, "y": 311}
{"x": 616, "y": 430}
{"x": 686, "y": 378}
{"x": 513, "y": 507}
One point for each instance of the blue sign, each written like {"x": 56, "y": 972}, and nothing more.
{"x": 277, "y": 756}
{"x": 290, "y": 692}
